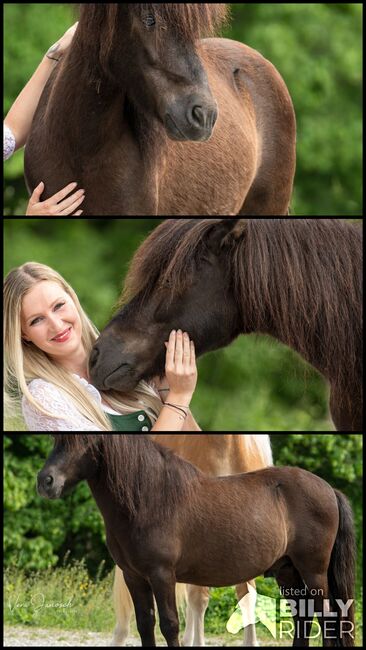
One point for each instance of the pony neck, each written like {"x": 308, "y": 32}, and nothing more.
{"x": 134, "y": 472}
{"x": 299, "y": 285}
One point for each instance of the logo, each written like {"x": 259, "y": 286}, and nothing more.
{"x": 276, "y": 614}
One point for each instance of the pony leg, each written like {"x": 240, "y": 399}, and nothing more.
{"x": 143, "y": 601}
{"x": 318, "y": 587}
{"x": 123, "y": 607}
{"x": 291, "y": 583}
{"x": 163, "y": 584}
{"x": 248, "y": 609}
{"x": 198, "y": 599}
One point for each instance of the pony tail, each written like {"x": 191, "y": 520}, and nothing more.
{"x": 342, "y": 572}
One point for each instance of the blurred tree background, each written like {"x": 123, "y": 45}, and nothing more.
{"x": 317, "y": 49}
{"x": 256, "y": 384}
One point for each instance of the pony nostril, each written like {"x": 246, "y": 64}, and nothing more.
{"x": 48, "y": 481}
{"x": 198, "y": 116}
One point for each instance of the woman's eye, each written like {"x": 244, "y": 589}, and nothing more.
{"x": 58, "y": 306}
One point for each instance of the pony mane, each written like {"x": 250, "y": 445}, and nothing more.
{"x": 189, "y": 21}
{"x": 138, "y": 471}
{"x": 101, "y": 26}
{"x": 167, "y": 258}
{"x": 296, "y": 279}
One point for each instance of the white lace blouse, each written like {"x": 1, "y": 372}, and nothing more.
{"x": 9, "y": 142}
{"x": 53, "y": 400}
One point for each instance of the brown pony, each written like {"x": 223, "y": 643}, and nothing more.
{"x": 298, "y": 280}
{"x": 168, "y": 523}
{"x": 215, "y": 455}
{"x": 152, "y": 119}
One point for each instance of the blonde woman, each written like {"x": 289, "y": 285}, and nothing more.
{"x": 17, "y": 125}
{"x": 47, "y": 342}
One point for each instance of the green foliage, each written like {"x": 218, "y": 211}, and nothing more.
{"x": 317, "y": 49}
{"x": 257, "y": 384}
{"x": 36, "y": 535}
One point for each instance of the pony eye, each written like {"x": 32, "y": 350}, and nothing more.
{"x": 149, "y": 21}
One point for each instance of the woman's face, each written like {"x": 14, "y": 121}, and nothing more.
{"x": 50, "y": 320}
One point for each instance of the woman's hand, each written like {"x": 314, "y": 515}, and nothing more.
{"x": 56, "y": 205}
{"x": 58, "y": 49}
{"x": 180, "y": 368}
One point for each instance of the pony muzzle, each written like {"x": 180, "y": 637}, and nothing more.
{"x": 49, "y": 485}
{"x": 193, "y": 122}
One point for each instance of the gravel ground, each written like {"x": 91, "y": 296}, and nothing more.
{"x": 25, "y": 637}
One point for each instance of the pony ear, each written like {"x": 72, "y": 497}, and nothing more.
{"x": 225, "y": 229}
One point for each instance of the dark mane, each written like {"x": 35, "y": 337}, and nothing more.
{"x": 103, "y": 26}
{"x": 132, "y": 477}
{"x": 298, "y": 279}
{"x": 189, "y": 21}
{"x": 167, "y": 257}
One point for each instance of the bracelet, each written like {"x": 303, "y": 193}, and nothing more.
{"x": 184, "y": 409}
{"x": 174, "y": 408}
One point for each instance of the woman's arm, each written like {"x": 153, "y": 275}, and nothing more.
{"x": 20, "y": 115}
{"x": 190, "y": 424}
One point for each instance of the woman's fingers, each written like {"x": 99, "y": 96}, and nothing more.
{"x": 193, "y": 354}
{"x": 178, "y": 357}
{"x": 180, "y": 350}
{"x": 186, "y": 351}
{"x": 170, "y": 350}
{"x": 59, "y": 196}
{"x": 69, "y": 205}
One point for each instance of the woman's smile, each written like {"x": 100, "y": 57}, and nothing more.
{"x": 63, "y": 336}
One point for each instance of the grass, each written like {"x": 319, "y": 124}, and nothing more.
{"x": 68, "y": 599}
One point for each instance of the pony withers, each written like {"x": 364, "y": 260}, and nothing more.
{"x": 164, "y": 121}
{"x": 297, "y": 280}
{"x": 166, "y": 522}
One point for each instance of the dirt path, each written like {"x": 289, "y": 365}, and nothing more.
{"x": 35, "y": 637}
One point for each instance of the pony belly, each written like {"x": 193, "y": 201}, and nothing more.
{"x": 233, "y": 561}
{"x": 220, "y": 574}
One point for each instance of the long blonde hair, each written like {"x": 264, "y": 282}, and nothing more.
{"x": 24, "y": 361}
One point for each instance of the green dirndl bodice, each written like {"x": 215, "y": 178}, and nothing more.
{"x": 138, "y": 421}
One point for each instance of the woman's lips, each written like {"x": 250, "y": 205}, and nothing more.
{"x": 64, "y": 336}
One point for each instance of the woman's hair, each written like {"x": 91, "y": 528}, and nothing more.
{"x": 24, "y": 361}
